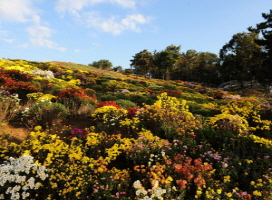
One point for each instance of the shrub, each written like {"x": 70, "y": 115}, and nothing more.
{"x": 73, "y": 98}
{"x": 43, "y": 113}
{"x": 108, "y": 103}
{"x": 125, "y": 103}
{"x": 46, "y": 86}
{"x": 107, "y": 97}
{"x": 9, "y": 106}
{"x": 16, "y": 75}
{"x": 21, "y": 88}
{"x": 108, "y": 118}
{"x": 90, "y": 92}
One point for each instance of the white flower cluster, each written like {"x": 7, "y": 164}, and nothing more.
{"x": 156, "y": 191}
{"x": 46, "y": 74}
{"x": 16, "y": 172}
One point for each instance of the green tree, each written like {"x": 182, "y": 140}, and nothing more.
{"x": 266, "y": 43}
{"x": 187, "y": 63}
{"x": 240, "y": 57}
{"x": 206, "y": 68}
{"x": 167, "y": 60}
{"x": 143, "y": 62}
{"x": 117, "y": 69}
{"x": 102, "y": 64}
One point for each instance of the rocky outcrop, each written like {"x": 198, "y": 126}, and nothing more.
{"x": 234, "y": 85}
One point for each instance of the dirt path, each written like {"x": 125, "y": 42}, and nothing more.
{"x": 14, "y": 134}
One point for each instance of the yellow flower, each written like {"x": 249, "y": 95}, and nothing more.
{"x": 229, "y": 194}
{"x": 37, "y": 128}
{"x": 219, "y": 191}
{"x": 226, "y": 179}
{"x": 257, "y": 193}
{"x": 198, "y": 192}
{"x": 26, "y": 153}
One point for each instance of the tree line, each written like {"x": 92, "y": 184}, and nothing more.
{"x": 246, "y": 57}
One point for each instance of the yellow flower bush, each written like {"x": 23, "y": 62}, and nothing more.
{"x": 233, "y": 123}
{"x": 39, "y": 96}
{"x": 250, "y": 112}
{"x": 109, "y": 114}
{"x": 171, "y": 115}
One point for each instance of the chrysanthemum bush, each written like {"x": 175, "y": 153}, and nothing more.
{"x": 21, "y": 178}
{"x": 169, "y": 117}
{"x": 73, "y": 98}
{"x": 243, "y": 116}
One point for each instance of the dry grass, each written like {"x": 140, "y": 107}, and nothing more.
{"x": 91, "y": 69}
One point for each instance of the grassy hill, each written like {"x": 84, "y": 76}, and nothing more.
{"x": 99, "y": 134}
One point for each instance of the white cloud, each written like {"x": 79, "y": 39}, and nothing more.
{"x": 24, "y": 46}
{"x": 73, "y": 6}
{"x": 76, "y": 50}
{"x": 16, "y": 11}
{"x": 22, "y": 11}
{"x": 38, "y": 37}
{"x": 4, "y": 32}
{"x": 113, "y": 26}
{"x": 7, "y": 40}
{"x": 96, "y": 44}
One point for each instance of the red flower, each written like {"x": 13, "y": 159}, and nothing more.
{"x": 108, "y": 103}
{"x": 132, "y": 112}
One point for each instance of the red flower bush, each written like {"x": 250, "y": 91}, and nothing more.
{"x": 75, "y": 93}
{"x": 151, "y": 91}
{"x": 16, "y": 75}
{"x": 132, "y": 112}
{"x": 93, "y": 74}
{"x": 108, "y": 103}
{"x": 173, "y": 93}
{"x": 73, "y": 98}
{"x": 20, "y": 87}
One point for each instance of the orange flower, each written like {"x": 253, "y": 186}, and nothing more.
{"x": 199, "y": 181}
{"x": 168, "y": 162}
{"x": 182, "y": 183}
{"x": 198, "y": 162}
{"x": 177, "y": 167}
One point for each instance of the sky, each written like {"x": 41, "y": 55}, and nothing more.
{"x": 84, "y": 31}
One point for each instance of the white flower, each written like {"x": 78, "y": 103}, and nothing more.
{"x": 141, "y": 191}
{"x": 137, "y": 184}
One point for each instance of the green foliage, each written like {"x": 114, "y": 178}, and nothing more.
{"x": 241, "y": 58}
{"x": 125, "y": 103}
{"x": 106, "y": 97}
{"x": 167, "y": 60}
{"x": 266, "y": 43}
{"x": 143, "y": 62}
{"x": 44, "y": 113}
{"x": 102, "y": 64}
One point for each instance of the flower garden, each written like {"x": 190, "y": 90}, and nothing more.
{"x": 145, "y": 139}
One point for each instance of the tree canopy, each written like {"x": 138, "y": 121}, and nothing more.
{"x": 143, "y": 62}
{"x": 102, "y": 64}
{"x": 240, "y": 57}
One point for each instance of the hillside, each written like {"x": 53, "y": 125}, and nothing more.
{"x": 106, "y": 135}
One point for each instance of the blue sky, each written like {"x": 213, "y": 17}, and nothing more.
{"x": 83, "y": 31}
